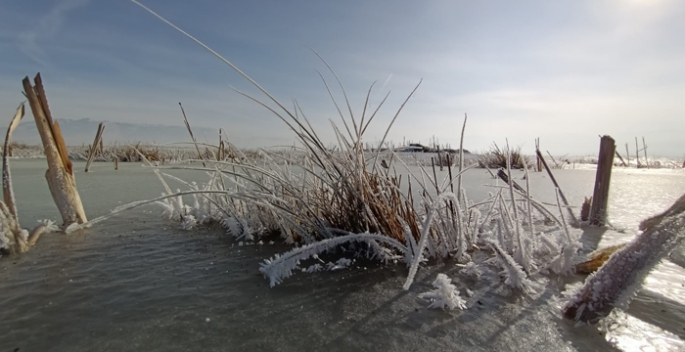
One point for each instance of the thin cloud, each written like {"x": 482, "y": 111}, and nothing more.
{"x": 47, "y": 27}
{"x": 386, "y": 82}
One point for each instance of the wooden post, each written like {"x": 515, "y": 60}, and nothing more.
{"x": 221, "y": 147}
{"x": 116, "y": 163}
{"x": 644, "y": 147}
{"x": 60, "y": 173}
{"x": 600, "y": 197}
{"x": 539, "y": 162}
{"x": 96, "y": 144}
{"x": 637, "y": 154}
{"x": 627, "y": 154}
{"x": 439, "y": 160}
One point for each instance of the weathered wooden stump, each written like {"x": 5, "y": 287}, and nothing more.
{"x": 60, "y": 173}
{"x": 600, "y": 197}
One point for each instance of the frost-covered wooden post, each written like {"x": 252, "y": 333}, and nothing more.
{"x": 600, "y": 197}
{"x": 60, "y": 173}
{"x": 617, "y": 280}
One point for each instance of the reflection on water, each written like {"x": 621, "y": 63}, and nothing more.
{"x": 136, "y": 282}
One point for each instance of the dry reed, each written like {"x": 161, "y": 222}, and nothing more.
{"x": 497, "y": 158}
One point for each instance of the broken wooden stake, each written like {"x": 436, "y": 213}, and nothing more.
{"x": 644, "y": 147}
{"x": 585, "y": 209}
{"x": 96, "y": 144}
{"x": 539, "y": 162}
{"x": 637, "y": 154}
{"x": 219, "y": 157}
{"x": 60, "y": 173}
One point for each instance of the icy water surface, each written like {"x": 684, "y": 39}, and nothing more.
{"x": 137, "y": 283}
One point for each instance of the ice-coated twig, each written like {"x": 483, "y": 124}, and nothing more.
{"x": 7, "y": 191}
{"x": 529, "y": 207}
{"x": 569, "y": 239}
{"x": 425, "y": 233}
{"x": 282, "y": 266}
{"x": 615, "y": 284}
{"x": 514, "y": 276}
{"x": 494, "y": 202}
{"x": 563, "y": 263}
{"x": 125, "y": 207}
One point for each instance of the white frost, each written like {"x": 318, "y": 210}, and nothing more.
{"x": 444, "y": 295}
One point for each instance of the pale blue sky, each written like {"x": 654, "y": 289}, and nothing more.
{"x": 565, "y": 71}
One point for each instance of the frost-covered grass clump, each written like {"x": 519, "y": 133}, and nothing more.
{"x": 322, "y": 198}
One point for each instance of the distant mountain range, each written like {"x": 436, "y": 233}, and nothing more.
{"x": 82, "y": 131}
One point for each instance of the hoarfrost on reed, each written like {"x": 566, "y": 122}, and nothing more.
{"x": 321, "y": 199}
{"x": 445, "y": 294}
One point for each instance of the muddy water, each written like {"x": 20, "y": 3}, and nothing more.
{"x": 137, "y": 283}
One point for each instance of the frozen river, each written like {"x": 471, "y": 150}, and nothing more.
{"x": 136, "y": 282}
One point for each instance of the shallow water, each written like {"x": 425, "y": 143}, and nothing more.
{"x": 136, "y": 282}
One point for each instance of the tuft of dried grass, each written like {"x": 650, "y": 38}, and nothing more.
{"x": 497, "y": 158}
{"x": 323, "y": 199}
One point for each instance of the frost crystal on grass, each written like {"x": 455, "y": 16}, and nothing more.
{"x": 513, "y": 274}
{"x": 471, "y": 269}
{"x": 314, "y": 268}
{"x": 444, "y": 295}
{"x": 24, "y": 234}
{"x": 50, "y": 225}
{"x": 340, "y": 264}
{"x": 281, "y": 266}
{"x": 188, "y": 222}
{"x": 4, "y": 240}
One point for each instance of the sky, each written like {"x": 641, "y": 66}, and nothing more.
{"x": 565, "y": 71}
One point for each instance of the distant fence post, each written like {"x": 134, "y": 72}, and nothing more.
{"x": 537, "y": 147}
{"x": 600, "y": 197}
{"x": 97, "y": 143}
